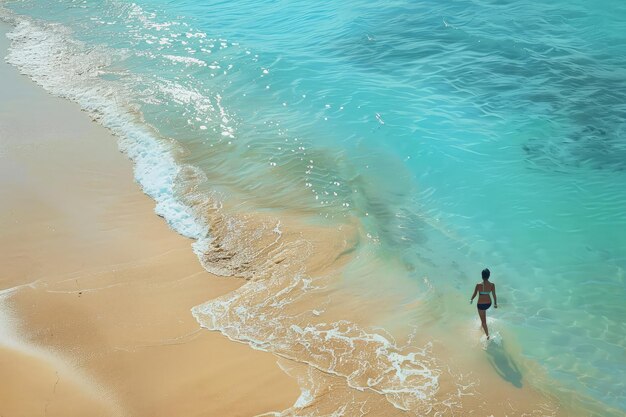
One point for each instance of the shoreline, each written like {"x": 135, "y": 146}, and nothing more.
{"x": 116, "y": 279}
{"x": 110, "y": 285}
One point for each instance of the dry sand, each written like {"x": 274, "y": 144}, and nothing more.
{"x": 98, "y": 321}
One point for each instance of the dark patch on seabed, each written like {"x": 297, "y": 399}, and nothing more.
{"x": 590, "y": 147}
{"x": 578, "y": 85}
{"x": 504, "y": 365}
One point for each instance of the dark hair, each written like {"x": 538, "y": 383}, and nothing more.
{"x": 486, "y": 273}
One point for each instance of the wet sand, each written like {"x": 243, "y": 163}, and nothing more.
{"x": 97, "y": 290}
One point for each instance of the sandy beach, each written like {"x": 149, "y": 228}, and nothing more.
{"x": 96, "y": 289}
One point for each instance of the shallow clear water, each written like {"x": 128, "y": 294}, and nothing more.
{"x": 459, "y": 134}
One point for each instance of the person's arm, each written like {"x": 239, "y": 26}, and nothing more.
{"x": 495, "y": 299}
{"x": 474, "y": 295}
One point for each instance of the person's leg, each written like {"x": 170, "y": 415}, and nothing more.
{"x": 483, "y": 319}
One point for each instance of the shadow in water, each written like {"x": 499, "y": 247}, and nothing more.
{"x": 504, "y": 365}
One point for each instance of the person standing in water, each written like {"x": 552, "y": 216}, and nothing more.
{"x": 484, "y": 300}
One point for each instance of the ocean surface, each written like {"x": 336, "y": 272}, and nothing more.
{"x": 440, "y": 137}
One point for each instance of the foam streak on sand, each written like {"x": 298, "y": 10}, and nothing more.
{"x": 68, "y": 371}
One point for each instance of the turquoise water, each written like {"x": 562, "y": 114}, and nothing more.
{"x": 459, "y": 134}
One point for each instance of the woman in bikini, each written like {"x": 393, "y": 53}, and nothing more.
{"x": 484, "y": 300}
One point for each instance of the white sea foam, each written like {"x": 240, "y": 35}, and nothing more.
{"x": 186, "y": 60}
{"x": 305, "y": 398}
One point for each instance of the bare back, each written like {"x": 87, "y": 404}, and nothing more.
{"x": 484, "y": 287}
